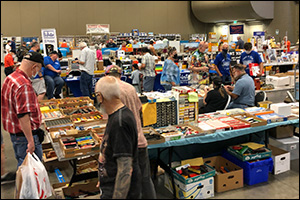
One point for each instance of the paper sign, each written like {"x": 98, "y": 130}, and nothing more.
{"x": 193, "y": 162}
{"x": 97, "y": 28}
{"x": 49, "y": 40}
{"x": 253, "y": 145}
{"x": 193, "y": 97}
{"x": 149, "y": 114}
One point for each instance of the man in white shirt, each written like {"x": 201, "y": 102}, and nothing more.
{"x": 86, "y": 62}
{"x": 8, "y": 47}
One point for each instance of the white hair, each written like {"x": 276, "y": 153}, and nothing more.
{"x": 82, "y": 44}
{"x": 109, "y": 87}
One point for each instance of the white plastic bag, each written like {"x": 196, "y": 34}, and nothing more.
{"x": 36, "y": 184}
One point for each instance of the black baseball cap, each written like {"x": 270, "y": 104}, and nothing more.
{"x": 54, "y": 52}
{"x": 35, "y": 57}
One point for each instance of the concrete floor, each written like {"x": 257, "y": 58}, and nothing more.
{"x": 282, "y": 186}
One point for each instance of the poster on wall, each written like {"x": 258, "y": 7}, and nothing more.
{"x": 97, "y": 28}
{"x": 49, "y": 40}
{"x": 236, "y": 29}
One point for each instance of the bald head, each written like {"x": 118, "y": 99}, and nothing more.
{"x": 238, "y": 37}
{"x": 109, "y": 87}
{"x": 202, "y": 46}
{"x": 225, "y": 45}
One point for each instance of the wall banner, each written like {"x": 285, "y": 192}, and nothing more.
{"x": 97, "y": 28}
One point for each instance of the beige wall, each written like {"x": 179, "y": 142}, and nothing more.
{"x": 286, "y": 18}
{"x": 26, "y": 18}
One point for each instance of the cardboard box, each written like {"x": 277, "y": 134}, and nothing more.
{"x": 278, "y": 81}
{"x": 53, "y": 130}
{"x": 244, "y": 157}
{"x": 281, "y": 159}
{"x": 254, "y": 171}
{"x": 100, "y": 65}
{"x": 289, "y": 144}
{"x": 157, "y": 140}
{"x": 202, "y": 189}
{"x": 283, "y": 131}
{"x": 227, "y": 181}
{"x": 75, "y": 190}
{"x": 72, "y": 152}
{"x": 273, "y": 117}
{"x": 281, "y": 108}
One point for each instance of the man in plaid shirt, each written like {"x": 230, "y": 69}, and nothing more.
{"x": 148, "y": 70}
{"x": 21, "y": 115}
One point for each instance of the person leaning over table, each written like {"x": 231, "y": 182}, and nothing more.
{"x": 119, "y": 172}
{"x": 170, "y": 75}
{"x": 215, "y": 99}
{"x": 20, "y": 110}
{"x": 130, "y": 99}
{"x": 52, "y": 75}
{"x": 243, "y": 93}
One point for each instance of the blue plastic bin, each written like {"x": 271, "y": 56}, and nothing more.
{"x": 256, "y": 172}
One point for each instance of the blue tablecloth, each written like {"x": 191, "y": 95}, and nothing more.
{"x": 219, "y": 136}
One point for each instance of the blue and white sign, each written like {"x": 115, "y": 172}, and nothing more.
{"x": 49, "y": 40}
{"x": 258, "y": 33}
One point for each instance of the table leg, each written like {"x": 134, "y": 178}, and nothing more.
{"x": 73, "y": 163}
{"x": 156, "y": 164}
{"x": 171, "y": 174}
{"x": 266, "y": 137}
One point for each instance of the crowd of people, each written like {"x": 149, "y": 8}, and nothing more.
{"x": 124, "y": 168}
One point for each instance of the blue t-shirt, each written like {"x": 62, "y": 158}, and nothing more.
{"x": 55, "y": 64}
{"x": 253, "y": 57}
{"x": 170, "y": 73}
{"x": 222, "y": 64}
{"x": 245, "y": 88}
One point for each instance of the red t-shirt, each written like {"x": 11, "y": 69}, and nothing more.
{"x": 8, "y": 60}
{"x": 288, "y": 45}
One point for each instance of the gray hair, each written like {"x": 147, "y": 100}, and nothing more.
{"x": 109, "y": 87}
{"x": 82, "y": 44}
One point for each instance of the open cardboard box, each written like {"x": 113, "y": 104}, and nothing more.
{"x": 226, "y": 181}
{"x": 72, "y": 152}
{"x": 53, "y": 130}
{"x": 262, "y": 123}
{"x": 74, "y": 117}
{"x": 151, "y": 141}
{"x": 195, "y": 128}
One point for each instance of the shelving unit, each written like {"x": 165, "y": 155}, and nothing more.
{"x": 171, "y": 37}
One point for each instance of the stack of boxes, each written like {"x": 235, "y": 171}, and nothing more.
{"x": 166, "y": 113}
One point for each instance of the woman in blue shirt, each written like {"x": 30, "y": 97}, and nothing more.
{"x": 170, "y": 75}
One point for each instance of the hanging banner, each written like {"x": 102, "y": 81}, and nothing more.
{"x": 236, "y": 29}
{"x": 97, "y": 28}
{"x": 49, "y": 40}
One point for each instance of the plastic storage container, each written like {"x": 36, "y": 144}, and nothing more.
{"x": 290, "y": 144}
{"x": 256, "y": 172}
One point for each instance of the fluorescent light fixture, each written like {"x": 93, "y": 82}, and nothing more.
{"x": 235, "y": 21}
{"x": 248, "y": 20}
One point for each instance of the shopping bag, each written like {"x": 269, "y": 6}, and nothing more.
{"x": 35, "y": 181}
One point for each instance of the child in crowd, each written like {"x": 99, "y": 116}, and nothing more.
{"x": 135, "y": 76}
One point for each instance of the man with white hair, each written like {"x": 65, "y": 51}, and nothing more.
{"x": 119, "y": 173}
{"x": 86, "y": 62}
{"x": 240, "y": 43}
{"x": 222, "y": 62}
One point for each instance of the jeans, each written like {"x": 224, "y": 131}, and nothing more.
{"x": 236, "y": 105}
{"x": 148, "y": 83}
{"x": 167, "y": 87}
{"x": 20, "y": 147}
{"x": 226, "y": 79}
{"x": 51, "y": 83}
{"x": 86, "y": 84}
{"x": 148, "y": 189}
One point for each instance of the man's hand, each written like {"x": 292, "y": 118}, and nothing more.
{"x": 205, "y": 69}
{"x": 58, "y": 71}
{"x": 228, "y": 88}
{"x": 98, "y": 184}
{"x": 30, "y": 147}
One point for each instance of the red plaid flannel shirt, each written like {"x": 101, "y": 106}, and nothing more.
{"x": 17, "y": 97}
